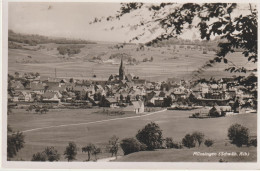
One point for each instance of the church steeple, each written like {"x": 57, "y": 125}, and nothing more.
{"x": 121, "y": 70}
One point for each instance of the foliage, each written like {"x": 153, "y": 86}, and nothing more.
{"x": 253, "y": 142}
{"x": 189, "y": 141}
{"x": 238, "y": 134}
{"x": 211, "y": 19}
{"x": 113, "y": 145}
{"x": 71, "y": 151}
{"x": 131, "y": 145}
{"x": 208, "y": 142}
{"x": 52, "y": 154}
{"x": 168, "y": 142}
{"x": 96, "y": 151}
{"x": 39, "y": 156}
{"x": 15, "y": 142}
{"x": 151, "y": 136}
{"x": 34, "y": 39}
{"x": 89, "y": 148}
{"x": 167, "y": 102}
{"x": 199, "y": 137}
{"x": 213, "y": 112}
{"x": 69, "y": 49}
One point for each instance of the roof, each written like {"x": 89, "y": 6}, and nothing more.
{"x": 139, "y": 81}
{"x": 38, "y": 86}
{"x": 48, "y": 95}
{"x": 111, "y": 100}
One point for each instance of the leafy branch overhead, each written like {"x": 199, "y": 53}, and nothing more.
{"x": 211, "y": 19}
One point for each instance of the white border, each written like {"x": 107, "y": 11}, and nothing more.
{"x": 87, "y": 165}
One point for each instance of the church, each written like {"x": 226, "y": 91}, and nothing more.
{"x": 122, "y": 76}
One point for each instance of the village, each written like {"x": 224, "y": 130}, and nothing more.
{"x": 131, "y": 93}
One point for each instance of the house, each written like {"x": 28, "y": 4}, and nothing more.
{"x": 17, "y": 85}
{"x": 112, "y": 102}
{"x": 50, "y": 97}
{"x": 138, "y": 106}
{"x": 25, "y": 96}
{"x": 37, "y": 88}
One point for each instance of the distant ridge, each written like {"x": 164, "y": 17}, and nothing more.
{"x": 34, "y": 39}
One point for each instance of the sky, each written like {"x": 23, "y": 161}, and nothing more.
{"x": 71, "y": 20}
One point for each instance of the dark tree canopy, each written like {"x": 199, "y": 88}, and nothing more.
{"x": 211, "y": 19}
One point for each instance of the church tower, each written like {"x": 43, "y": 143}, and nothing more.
{"x": 121, "y": 71}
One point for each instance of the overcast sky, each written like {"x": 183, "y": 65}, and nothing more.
{"x": 71, "y": 20}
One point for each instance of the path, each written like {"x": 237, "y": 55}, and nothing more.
{"x": 87, "y": 123}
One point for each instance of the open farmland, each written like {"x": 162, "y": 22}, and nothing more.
{"x": 174, "y": 124}
{"x": 168, "y": 62}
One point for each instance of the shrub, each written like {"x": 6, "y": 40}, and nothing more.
{"x": 169, "y": 142}
{"x": 49, "y": 154}
{"x": 253, "y": 142}
{"x": 52, "y": 154}
{"x": 189, "y": 141}
{"x": 39, "y": 156}
{"x": 177, "y": 145}
{"x": 199, "y": 137}
{"x": 238, "y": 134}
{"x": 151, "y": 136}
{"x": 131, "y": 145}
{"x": 209, "y": 142}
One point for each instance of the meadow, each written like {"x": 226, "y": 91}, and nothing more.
{"x": 175, "y": 124}
{"x": 168, "y": 62}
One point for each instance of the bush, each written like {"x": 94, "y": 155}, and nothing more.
{"x": 238, "y": 134}
{"x": 199, "y": 137}
{"x": 49, "y": 154}
{"x": 169, "y": 142}
{"x": 189, "y": 141}
{"x": 151, "y": 136}
{"x": 39, "y": 156}
{"x": 177, "y": 145}
{"x": 131, "y": 145}
{"x": 209, "y": 142}
{"x": 253, "y": 142}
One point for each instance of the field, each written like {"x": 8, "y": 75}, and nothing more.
{"x": 174, "y": 124}
{"x": 180, "y": 63}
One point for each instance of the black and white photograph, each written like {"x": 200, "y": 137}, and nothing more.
{"x": 95, "y": 83}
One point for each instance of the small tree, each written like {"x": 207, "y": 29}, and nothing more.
{"x": 189, "y": 141}
{"x": 151, "y": 136}
{"x": 238, "y": 134}
{"x": 52, "y": 154}
{"x": 199, "y": 137}
{"x": 131, "y": 145}
{"x": 208, "y": 142}
{"x": 71, "y": 151}
{"x": 15, "y": 142}
{"x": 88, "y": 149}
{"x": 113, "y": 145}
{"x": 96, "y": 151}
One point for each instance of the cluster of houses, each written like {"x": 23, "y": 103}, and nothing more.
{"x": 125, "y": 90}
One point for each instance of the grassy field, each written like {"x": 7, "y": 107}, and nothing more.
{"x": 174, "y": 124}
{"x": 167, "y": 63}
